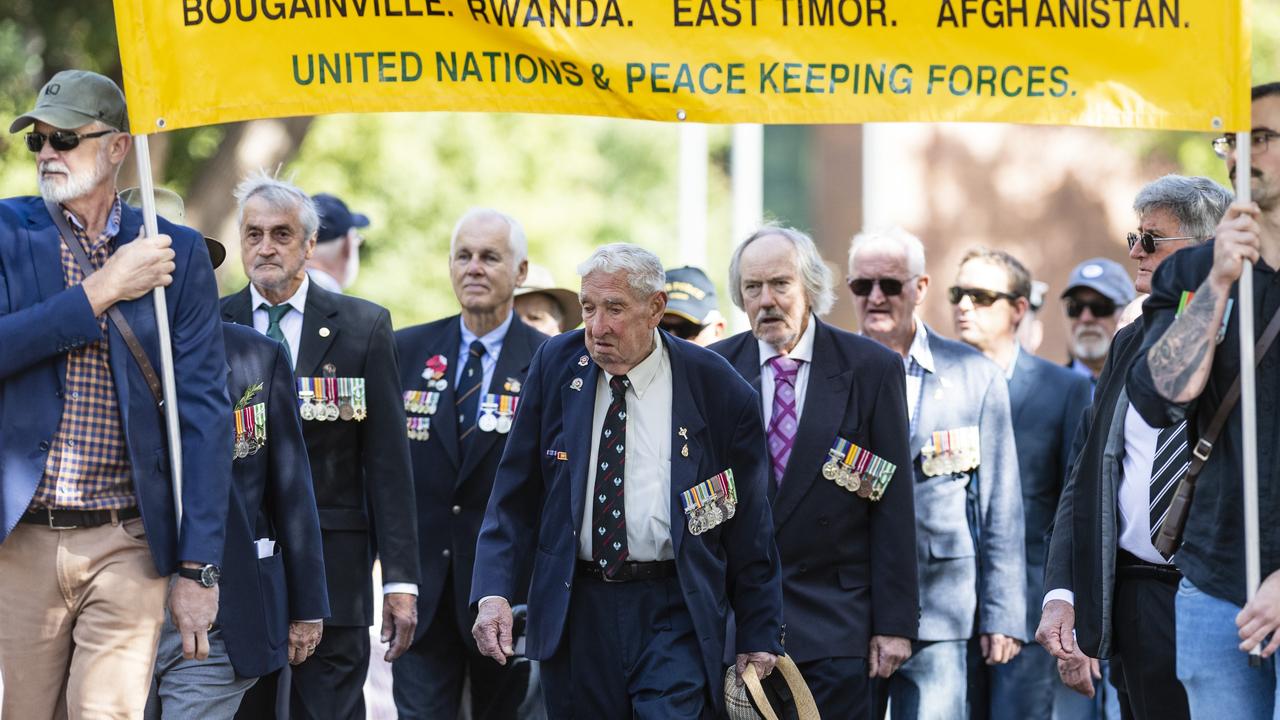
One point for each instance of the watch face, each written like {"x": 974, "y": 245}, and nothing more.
{"x": 209, "y": 575}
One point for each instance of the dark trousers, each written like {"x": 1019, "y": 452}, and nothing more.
{"x": 428, "y": 679}
{"x": 840, "y": 686}
{"x": 629, "y": 650}
{"x": 1143, "y": 662}
{"x": 330, "y": 684}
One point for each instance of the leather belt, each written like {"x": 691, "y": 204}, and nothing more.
{"x": 631, "y": 571}
{"x": 1131, "y": 565}
{"x": 76, "y": 519}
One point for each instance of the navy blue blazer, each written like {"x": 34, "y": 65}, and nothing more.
{"x": 41, "y": 321}
{"x": 848, "y": 564}
{"x": 452, "y": 491}
{"x": 271, "y": 498}
{"x": 732, "y": 568}
{"x": 1047, "y": 401}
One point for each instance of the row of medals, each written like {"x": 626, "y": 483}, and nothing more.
{"x": 322, "y": 411}
{"x": 949, "y": 462}
{"x": 845, "y": 477}
{"x": 702, "y": 519}
{"x": 247, "y": 445}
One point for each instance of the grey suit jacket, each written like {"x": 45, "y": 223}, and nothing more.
{"x": 969, "y": 525}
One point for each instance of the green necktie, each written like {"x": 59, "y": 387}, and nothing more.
{"x": 274, "y": 313}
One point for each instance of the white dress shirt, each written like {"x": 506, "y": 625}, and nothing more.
{"x": 492, "y": 342}
{"x": 647, "y": 480}
{"x": 802, "y": 351}
{"x": 1134, "y": 496}
{"x": 291, "y": 326}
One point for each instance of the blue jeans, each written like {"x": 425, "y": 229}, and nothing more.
{"x": 1217, "y": 676}
{"x": 1023, "y": 688}
{"x": 932, "y": 684}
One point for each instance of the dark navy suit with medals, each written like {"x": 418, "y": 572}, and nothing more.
{"x": 363, "y": 487}
{"x": 452, "y": 484}
{"x": 848, "y": 563}
{"x": 729, "y": 572}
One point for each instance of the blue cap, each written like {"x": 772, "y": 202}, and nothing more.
{"x": 1106, "y": 277}
{"x": 335, "y": 219}
{"x": 691, "y": 295}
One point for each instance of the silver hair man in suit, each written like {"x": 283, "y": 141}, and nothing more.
{"x": 969, "y": 524}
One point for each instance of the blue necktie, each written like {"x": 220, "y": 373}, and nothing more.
{"x": 468, "y": 393}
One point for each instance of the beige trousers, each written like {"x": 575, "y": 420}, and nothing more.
{"x": 80, "y": 615}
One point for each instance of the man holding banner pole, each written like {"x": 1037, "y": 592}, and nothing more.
{"x": 90, "y": 532}
{"x": 1189, "y": 369}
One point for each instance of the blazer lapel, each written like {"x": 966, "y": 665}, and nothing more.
{"x": 513, "y": 361}
{"x": 824, "y": 403}
{"x": 687, "y": 438}
{"x": 237, "y": 310}
{"x": 578, "y": 408}
{"x": 444, "y": 424}
{"x": 46, "y": 254}
{"x": 934, "y": 394}
{"x": 1020, "y": 386}
{"x": 314, "y": 344}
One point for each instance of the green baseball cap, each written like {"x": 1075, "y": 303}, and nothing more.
{"x": 74, "y": 98}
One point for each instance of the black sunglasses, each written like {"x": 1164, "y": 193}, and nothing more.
{"x": 681, "y": 328}
{"x": 979, "y": 296}
{"x": 61, "y": 140}
{"x": 1150, "y": 241}
{"x": 889, "y": 286}
{"x": 1099, "y": 308}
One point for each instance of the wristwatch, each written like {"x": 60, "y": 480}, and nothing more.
{"x": 206, "y": 575}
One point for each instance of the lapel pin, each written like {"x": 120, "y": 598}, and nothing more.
{"x": 576, "y": 384}
{"x": 684, "y": 451}
{"x": 324, "y": 332}
{"x": 582, "y": 361}
{"x": 512, "y": 385}
{"x": 684, "y": 433}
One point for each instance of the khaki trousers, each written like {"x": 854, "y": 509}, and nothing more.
{"x": 82, "y": 611}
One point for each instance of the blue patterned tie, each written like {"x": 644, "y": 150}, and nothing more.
{"x": 468, "y": 399}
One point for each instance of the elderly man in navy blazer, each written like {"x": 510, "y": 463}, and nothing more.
{"x": 988, "y": 301}
{"x": 968, "y": 506}
{"x": 835, "y": 414}
{"x": 89, "y": 532}
{"x": 462, "y": 378}
{"x": 634, "y": 482}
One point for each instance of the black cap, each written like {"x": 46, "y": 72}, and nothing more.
{"x": 691, "y": 295}
{"x": 335, "y": 218}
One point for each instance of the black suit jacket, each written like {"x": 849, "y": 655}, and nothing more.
{"x": 848, "y": 564}
{"x": 361, "y": 471}
{"x": 271, "y": 498}
{"x": 452, "y": 489}
{"x": 1082, "y": 550}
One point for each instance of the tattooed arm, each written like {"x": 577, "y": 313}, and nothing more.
{"x": 1181, "y": 358}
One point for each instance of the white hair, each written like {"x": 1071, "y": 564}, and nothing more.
{"x": 1197, "y": 202}
{"x": 644, "y": 270}
{"x": 279, "y": 195}
{"x": 814, "y": 273}
{"x": 516, "y": 240}
{"x": 910, "y": 245}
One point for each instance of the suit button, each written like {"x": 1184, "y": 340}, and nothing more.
{"x": 803, "y": 568}
{"x": 44, "y": 446}
{"x": 457, "y": 509}
{"x": 57, "y": 394}
{"x": 445, "y": 553}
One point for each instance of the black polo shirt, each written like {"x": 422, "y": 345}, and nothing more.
{"x": 1212, "y": 552}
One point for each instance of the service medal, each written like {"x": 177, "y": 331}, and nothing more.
{"x": 830, "y": 470}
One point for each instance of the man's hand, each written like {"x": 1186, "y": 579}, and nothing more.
{"x": 885, "y": 654}
{"x": 303, "y": 639}
{"x": 193, "y": 608}
{"x": 1078, "y": 671}
{"x": 1261, "y": 617}
{"x": 132, "y": 271}
{"x": 763, "y": 662}
{"x": 399, "y": 619}
{"x": 1057, "y": 629}
{"x": 999, "y": 649}
{"x": 1237, "y": 238}
{"x": 492, "y": 630}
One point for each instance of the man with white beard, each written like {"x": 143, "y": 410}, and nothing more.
{"x": 1096, "y": 293}
{"x": 88, "y": 534}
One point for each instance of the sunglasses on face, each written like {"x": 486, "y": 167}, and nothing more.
{"x": 979, "y": 296}
{"x": 1150, "y": 241}
{"x": 682, "y": 329}
{"x": 1099, "y": 308}
{"x": 889, "y": 286}
{"x": 61, "y": 140}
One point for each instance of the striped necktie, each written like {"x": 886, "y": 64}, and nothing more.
{"x": 468, "y": 392}
{"x": 1172, "y": 458}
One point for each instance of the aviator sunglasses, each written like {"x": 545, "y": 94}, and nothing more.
{"x": 889, "y": 286}
{"x": 1150, "y": 241}
{"x": 61, "y": 140}
{"x": 979, "y": 296}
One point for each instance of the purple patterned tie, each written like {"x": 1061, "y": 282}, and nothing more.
{"x": 782, "y": 424}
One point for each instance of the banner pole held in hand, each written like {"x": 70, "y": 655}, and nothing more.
{"x": 1248, "y": 398}
{"x": 147, "y": 192}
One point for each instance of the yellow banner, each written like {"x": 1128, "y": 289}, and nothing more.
{"x": 1168, "y": 64}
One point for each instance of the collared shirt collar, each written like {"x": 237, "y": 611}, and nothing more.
{"x": 1013, "y": 364}
{"x": 109, "y": 231}
{"x": 919, "y": 350}
{"x": 298, "y": 301}
{"x": 492, "y": 340}
{"x": 802, "y": 351}
{"x": 643, "y": 374}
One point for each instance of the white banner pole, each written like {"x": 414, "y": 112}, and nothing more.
{"x": 1248, "y": 397}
